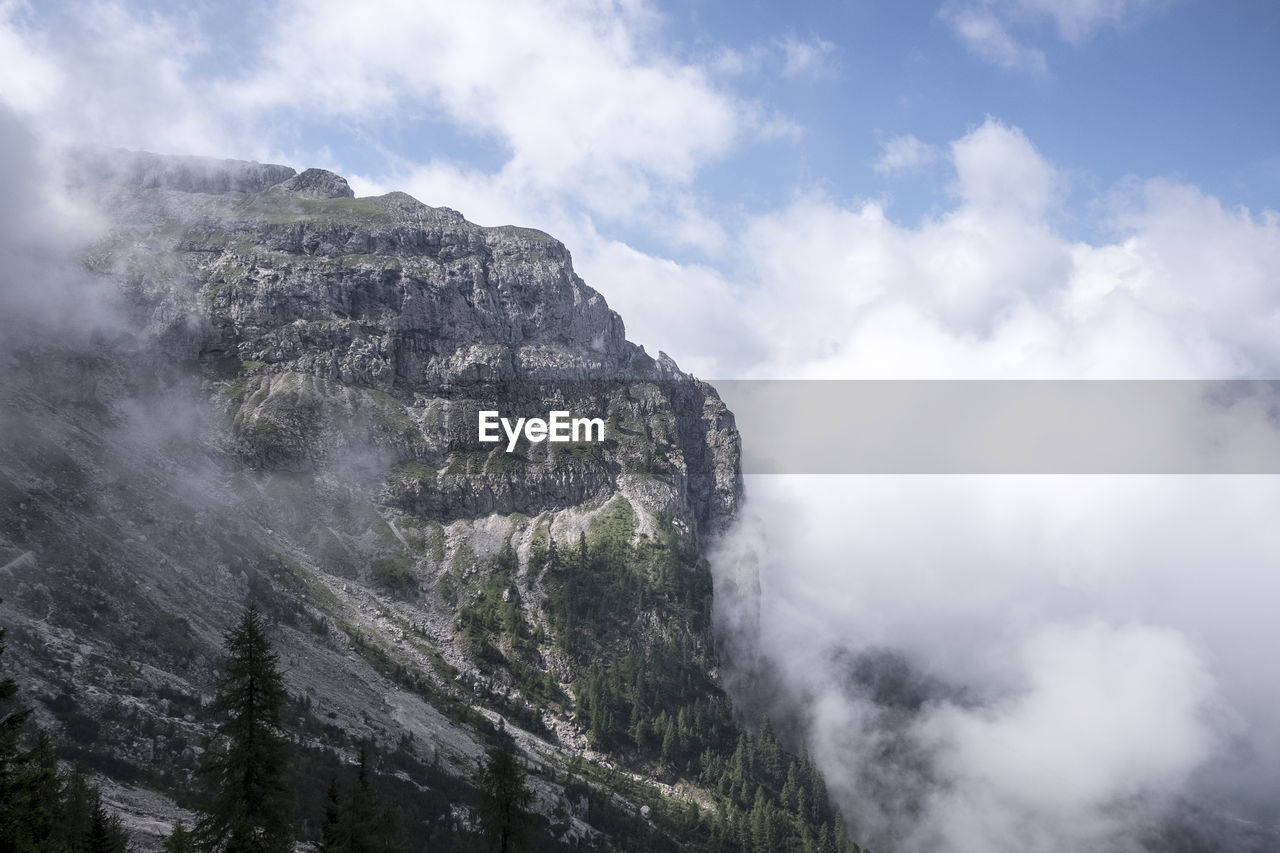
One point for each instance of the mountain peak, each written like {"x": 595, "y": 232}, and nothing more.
{"x": 315, "y": 183}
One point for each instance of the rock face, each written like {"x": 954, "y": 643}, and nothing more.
{"x": 287, "y": 417}
{"x": 404, "y": 320}
{"x": 315, "y": 183}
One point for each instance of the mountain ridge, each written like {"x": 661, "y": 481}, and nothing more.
{"x": 285, "y": 415}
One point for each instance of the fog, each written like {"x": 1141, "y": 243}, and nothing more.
{"x": 1081, "y": 650}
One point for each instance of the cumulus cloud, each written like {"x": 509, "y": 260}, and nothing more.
{"x": 575, "y": 92}
{"x": 991, "y": 288}
{"x": 585, "y": 106}
{"x": 1091, "y": 642}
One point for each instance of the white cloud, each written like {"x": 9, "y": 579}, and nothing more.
{"x": 988, "y": 37}
{"x": 900, "y": 154}
{"x": 987, "y": 26}
{"x": 811, "y": 57}
{"x": 999, "y": 170}
{"x": 990, "y": 288}
{"x": 1104, "y": 631}
{"x": 1105, "y": 628}
{"x": 1105, "y": 711}
{"x": 584, "y": 104}
{"x": 1078, "y": 20}
{"x": 30, "y": 78}
{"x": 706, "y": 333}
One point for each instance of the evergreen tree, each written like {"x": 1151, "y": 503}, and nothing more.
{"x": 179, "y": 841}
{"x": 45, "y": 793}
{"x": 106, "y": 835}
{"x": 15, "y": 781}
{"x": 504, "y": 801}
{"x": 333, "y": 838}
{"x": 250, "y": 806}
{"x": 75, "y": 813}
{"x": 372, "y": 826}
{"x": 355, "y": 822}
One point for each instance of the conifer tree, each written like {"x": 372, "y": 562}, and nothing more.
{"x": 250, "y": 805}
{"x": 106, "y": 835}
{"x": 333, "y": 838}
{"x": 355, "y": 822}
{"x": 15, "y": 782}
{"x": 44, "y": 793}
{"x": 372, "y": 824}
{"x": 179, "y": 840}
{"x": 504, "y": 801}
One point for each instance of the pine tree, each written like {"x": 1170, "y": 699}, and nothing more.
{"x": 504, "y": 801}
{"x": 372, "y": 825}
{"x": 791, "y": 788}
{"x": 75, "y": 812}
{"x": 179, "y": 841}
{"x": 106, "y": 835}
{"x": 45, "y": 793}
{"x": 15, "y": 784}
{"x": 333, "y": 838}
{"x": 250, "y": 807}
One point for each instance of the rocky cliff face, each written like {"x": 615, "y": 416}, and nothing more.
{"x": 385, "y": 323}
{"x": 286, "y": 416}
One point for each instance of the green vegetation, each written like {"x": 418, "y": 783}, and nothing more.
{"x": 355, "y": 821}
{"x": 250, "y": 806}
{"x": 394, "y": 573}
{"x": 654, "y": 700}
{"x": 498, "y": 636}
{"x": 45, "y": 809}
{"x": 504, "y": 801}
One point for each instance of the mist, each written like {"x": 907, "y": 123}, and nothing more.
{"x": 1072, "y": 654}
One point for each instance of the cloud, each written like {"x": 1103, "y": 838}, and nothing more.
{"x": 1077, "y": 639}
{"x": 31, "y": 79}
{"x": 901, "y": 154}
{"x": 45, "y": 295}
{"x": 990, "y": 288}
{"x": 988, "y": 37}
{"x": 1078, "y": 20}
{"x": 707, "y": 335}
{"x": 987, "y": 26}
{"x": 812, "y": 58}
{"x": 1000, "y": 171}
{"x": 584, "y": 103}
{"x": 1094, "y": 639}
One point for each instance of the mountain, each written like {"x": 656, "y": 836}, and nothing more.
{"x": 275, "y": 402}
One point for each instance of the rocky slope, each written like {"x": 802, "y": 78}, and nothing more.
{"x": 283, "y": 412}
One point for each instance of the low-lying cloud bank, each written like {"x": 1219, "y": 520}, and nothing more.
{"x": 1018, "y": 663}
{"x": 1005, "y": 663}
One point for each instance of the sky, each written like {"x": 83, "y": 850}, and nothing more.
{"x": 951, "y": 189}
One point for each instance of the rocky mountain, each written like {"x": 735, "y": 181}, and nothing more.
{"x": 277, "y": 405}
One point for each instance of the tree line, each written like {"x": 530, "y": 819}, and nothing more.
{"x": 249, "y": 806}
